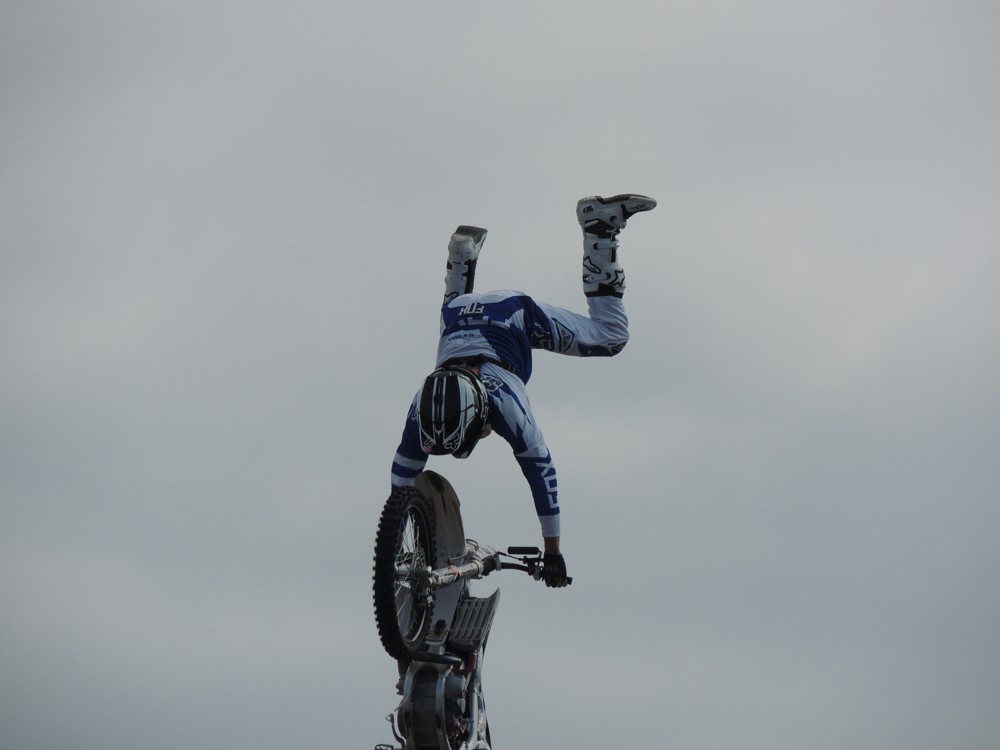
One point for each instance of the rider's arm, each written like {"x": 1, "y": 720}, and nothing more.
{"x": 511, "y": 419}
{"x": 541, "y": 475}
{"x": 410, "y": 458}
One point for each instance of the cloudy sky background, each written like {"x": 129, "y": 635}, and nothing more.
{"x": 222, "y": 236}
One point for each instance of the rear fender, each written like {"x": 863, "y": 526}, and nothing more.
{"x": 445, "y": 507}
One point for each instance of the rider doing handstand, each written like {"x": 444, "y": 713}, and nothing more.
{"x": 484, "y": 359}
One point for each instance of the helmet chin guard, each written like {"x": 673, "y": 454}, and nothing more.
{"x": 452, "y": 412}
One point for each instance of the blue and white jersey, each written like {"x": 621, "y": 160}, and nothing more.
{"x": 505, "y": 326}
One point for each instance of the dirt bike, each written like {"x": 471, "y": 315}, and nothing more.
{"x": 429, "y": 621}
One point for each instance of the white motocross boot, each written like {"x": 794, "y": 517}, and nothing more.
{"x": 602, "y": 219}
{"x": 463, "y": 252}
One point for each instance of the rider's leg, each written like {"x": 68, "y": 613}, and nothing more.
{"x": 463, "y": 253}
{"x": 603, "y": 332}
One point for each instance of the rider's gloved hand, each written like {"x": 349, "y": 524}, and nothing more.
{"x": 554, "y": 570}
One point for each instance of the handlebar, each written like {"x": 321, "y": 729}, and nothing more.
{"x": 481, "y": 561}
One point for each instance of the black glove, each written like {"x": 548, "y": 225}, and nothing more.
{"x": 554, "y": 570}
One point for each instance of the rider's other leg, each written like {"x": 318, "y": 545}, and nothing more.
{"x": 463, "y": 253}
{"x": 601, "y": 220}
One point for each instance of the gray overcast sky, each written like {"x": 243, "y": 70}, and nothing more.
{"x": 222, "y": 240}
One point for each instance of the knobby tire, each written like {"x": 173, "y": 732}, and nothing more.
{"x": 405, "y": 537}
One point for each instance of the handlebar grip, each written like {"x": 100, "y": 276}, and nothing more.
{"x": 523, "y": 551}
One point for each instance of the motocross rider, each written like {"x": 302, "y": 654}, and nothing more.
{"x": 484, "y": 360}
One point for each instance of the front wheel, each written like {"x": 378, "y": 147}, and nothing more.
{"x": 404, "y": 545}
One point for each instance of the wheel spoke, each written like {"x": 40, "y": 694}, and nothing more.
{"x": 410, "y": 556}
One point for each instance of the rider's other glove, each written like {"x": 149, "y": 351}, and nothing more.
{"x": 554, "y": 570}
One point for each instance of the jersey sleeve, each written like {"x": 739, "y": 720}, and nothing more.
{"x": 410, "y": 458}
{"x": 541, "y": 475}
{"x": 513, "y": 421}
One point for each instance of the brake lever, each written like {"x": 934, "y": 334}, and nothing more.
{"x": 533, "y": 560}
{"x": 523, "y": 551}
